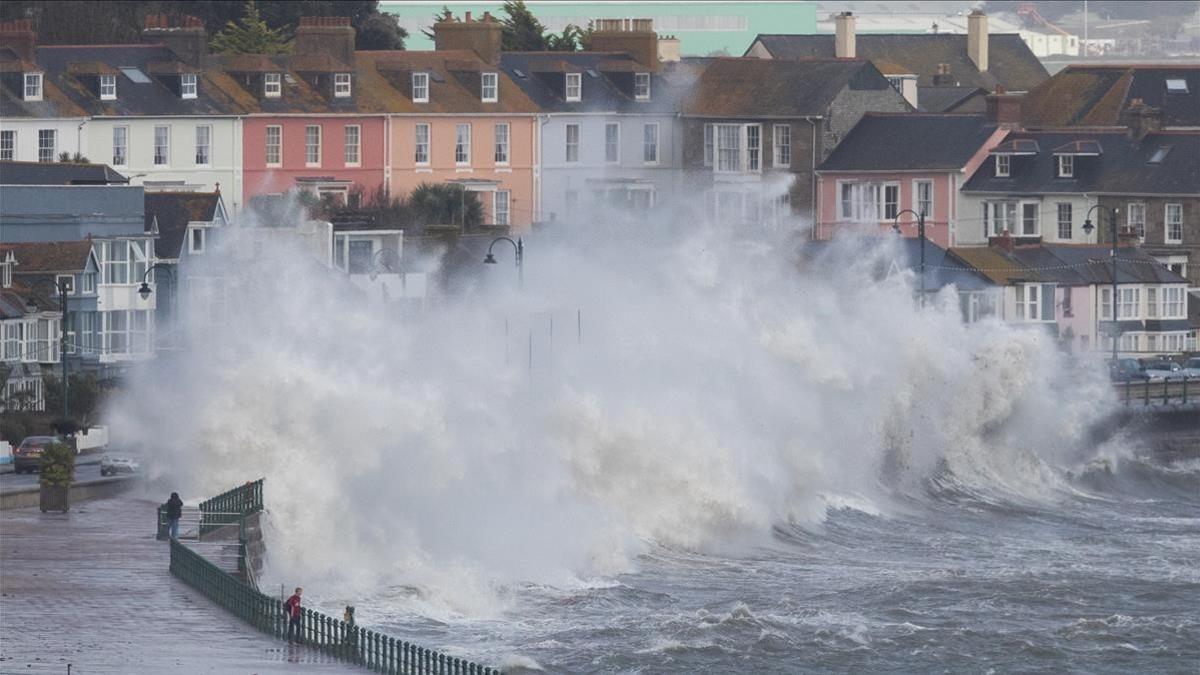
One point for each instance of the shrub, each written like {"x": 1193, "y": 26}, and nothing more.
{"x": 57, "y": 465}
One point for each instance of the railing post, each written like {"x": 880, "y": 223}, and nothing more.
{"x": 1185, "y": 381}
{"x": 1146, "y": 394}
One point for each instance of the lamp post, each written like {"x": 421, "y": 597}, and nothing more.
{"x": 144, "y": 290}
{"x": 519, "y": 247}
{"x": 1087, "y": 228}
{"x": 920, "y": 238}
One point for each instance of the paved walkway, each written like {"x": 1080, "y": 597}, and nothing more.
{"x": 91, "y": 588}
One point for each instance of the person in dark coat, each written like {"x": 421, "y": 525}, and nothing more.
{"x": 292, "y": 608}
{"x": 174, "y": 512}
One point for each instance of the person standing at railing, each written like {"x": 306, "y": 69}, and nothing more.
{"x": 174, "y": 513}
{"x": 292, "y": 607}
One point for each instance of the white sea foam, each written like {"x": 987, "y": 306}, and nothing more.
{"x": 718, "y": 387}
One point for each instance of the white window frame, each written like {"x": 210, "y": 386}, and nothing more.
{"x": 420, "y": 87}
{"x": 1069, "y": 221}
{"x": 88, "y": 282}
{"x": 197, "y": 240}
{"x": 1129, "y": 303}
{"x": 503, "y": 141}
{"x": 1106, "y": 304}
{"x": 1064, "y": 166}
{"x": 651, "y": 146}
{"x": 276, "y": 147}
{"x": 309, "y": 145}
{"x": 1003, "y": 166}
{"x": 1034, "y": 301}
{"x": 352, "y": 155}
{"x": 781, "y": 146}
{"x": 108, "y": 87}
{"x": 421, "y": 148}
{"x": 1169, "y": 224}
{"x": 489, "y": 87}
{"x": 33, "y": 87}
{"x": 571, "y": 136}
{"x": 188, "y": 85}
{"x": 917, "y": 185}
{"x": 1017, "y": 223}
{"x": 120, "y": 150}
{"x": 205, "y": 130}
{"x": 612, "y": 145}
{"x": 1174, "y": 302}
{"x": 867, "y": 201}
{"x": 165, "y": 146}
{"x": 341, "y": 85}
{"x": 1135, "y": 218}
{"x": 502, "y": 207}
{"x": 462, "y": 144}
{"x": 710, "y": 144}
{"x": 8, "y": 145}
{"x": 754, "y": 143}
{"x": 47, "y": 154}
{"x": 573, "y": 87}
{"x": 1153, "y": 301}
{"x": 273, "y": 85}
{"x": 641, "y": 86}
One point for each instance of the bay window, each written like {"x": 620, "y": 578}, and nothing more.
{"x": 1128, "y": 303}
{"x": 1174, "y": 303}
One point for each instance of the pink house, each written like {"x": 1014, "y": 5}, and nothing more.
{"x": 338, "y": 156}
{"x": 892, "y": 166}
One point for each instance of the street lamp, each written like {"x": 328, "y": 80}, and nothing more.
{"x": 145, "y": 289}
{"x": 921, "y": 238}
{"x": 519, "y": 247}
{"x": 1087, "y": 229}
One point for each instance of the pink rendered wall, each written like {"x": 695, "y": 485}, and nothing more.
{"x": 936, "y": 224}
{"x": 1080, "y": 321}
{"x": 516, "y": 176}
{"x": 259, "y": 179}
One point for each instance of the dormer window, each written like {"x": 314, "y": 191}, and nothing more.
{"x": 1003, "y": 166}
{"x": 272, "y": 85}
{"x": 1066, "y": 166}
{"x": 490, "y": 87}
{"x": 33, "y": 86}
{"x": 108, "y": 87}
{"x": 420, "y": 87}
{"x": 187, "y": 85}
{"x": 341, "y": 85}
{"x": 574, "y": 87}
{"x": 641, "y": 86}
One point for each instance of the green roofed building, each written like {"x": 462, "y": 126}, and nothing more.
{"x": 703, "y": 27}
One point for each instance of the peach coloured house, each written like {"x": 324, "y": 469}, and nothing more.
{"x": 892, "y": 166}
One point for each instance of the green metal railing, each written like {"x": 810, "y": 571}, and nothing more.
{"x": 230, "y": 506}
{"x": 345, "y": 641}
{"x": 1159, "y": 392}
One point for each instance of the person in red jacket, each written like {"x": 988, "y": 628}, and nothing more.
{"x": 292, "y": 608}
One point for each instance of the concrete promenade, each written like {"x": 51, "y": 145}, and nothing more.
{"x": 91, "y": 588}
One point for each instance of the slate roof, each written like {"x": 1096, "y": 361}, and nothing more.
{"x": 1065, "y": 264}
{"x": 910, "y": 141}
{"x": 607, "y": 81}
{"x": 111, "y": 207}
{"x": 1011, "y": 64}
{"x": 1123, "y": 166}
{"x": 12, "y": 96}
{"x": 216, "y": 91}
{"x": 941, "y": 269}
{"x": 384, "y": 83}
{"x": 58, "y": 173}
{"x": 770, "y": 88}
{"x": 1101, "y": 96}
{"x": 173, "y": 211}
{"x": 52, "y": 256}
{"x": 946, "y": 99}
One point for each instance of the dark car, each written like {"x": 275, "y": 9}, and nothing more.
{"x": 1163, "y": 370}
{"x": 1123, "y": 370}
{"x": 28, "y": 455}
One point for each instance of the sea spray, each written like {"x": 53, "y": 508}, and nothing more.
{"x": 724, "y": 385}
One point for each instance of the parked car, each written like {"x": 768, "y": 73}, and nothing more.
{"x": 1191, "y": 368}
{"x": 111, "y": 465}
{"x": 1127, "y": 369}
{"x": 1164, "y": 369}
{"x": 28, "y": 455}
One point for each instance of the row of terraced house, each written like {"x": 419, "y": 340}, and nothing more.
{"x": 1007, "y": 165}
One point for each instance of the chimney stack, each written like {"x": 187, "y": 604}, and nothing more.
{"x": 844, "y": 41}
{"x": 1142, "y": 120}
{"x": 481, "y": 37}
{"x": 1004, "y": 109}
{"x": 977, "y": 39}
{"x": 1003, "y": 241}
{"x": 18, "y": 36}
{"x": 182, "y": 34}
{"x": 636, "y": 37}
{"x": 329, "y": 35}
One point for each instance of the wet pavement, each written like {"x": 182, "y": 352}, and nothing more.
{"x": 90, "y": 588}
